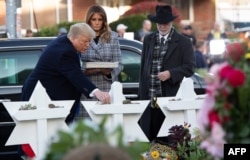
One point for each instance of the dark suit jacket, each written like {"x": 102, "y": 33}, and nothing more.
{"x": 200, "y": 60}
{"x": 179, "y": 60}
{"x": 59, "y": 71}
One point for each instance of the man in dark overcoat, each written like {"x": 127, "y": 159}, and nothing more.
{"x": 167, "y": 57}
{"x": 59, "y": 70}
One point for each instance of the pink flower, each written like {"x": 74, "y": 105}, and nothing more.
{"x": 214, "y": 80}
{"x": 218, "y": 133}
{"x": 202, "y": 117}
{"x": 214, "y": 144}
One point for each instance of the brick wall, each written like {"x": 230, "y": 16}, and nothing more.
{"x": 204, "y": 17}
{"x": 80, "y": 8}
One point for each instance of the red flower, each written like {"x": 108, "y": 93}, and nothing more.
{"x": 213, "y": 117}
{"x": 236, "y": 78}
{"x": 225, "y": 71}
{"x": 235, "y": 51}
{"x": 227, "y": 106}
{"x": 226, "y": 119}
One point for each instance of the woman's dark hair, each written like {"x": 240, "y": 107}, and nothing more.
{"x": 105, "y": 33}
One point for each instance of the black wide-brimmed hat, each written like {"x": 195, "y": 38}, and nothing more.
{"x": 163, "y": 14}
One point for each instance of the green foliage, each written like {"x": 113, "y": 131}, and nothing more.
{"x": 238, "y": 132}
{"x": 191, "y": 149}
{"x": 53, "y": 30}
{"x": 134, "y": 22}
{"x": 86, "y": 132}
{"x": 47, "y": 32}
{"x": 202, "y": 72}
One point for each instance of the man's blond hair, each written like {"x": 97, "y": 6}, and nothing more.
{"x": 81, "y": 29}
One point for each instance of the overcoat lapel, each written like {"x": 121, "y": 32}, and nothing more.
{"x": 171, "y": 47}
{"x": 151, "y": 49}
{"x": 96, "y": 47}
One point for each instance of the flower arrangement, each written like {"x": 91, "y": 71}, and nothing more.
{"x": 225, "y": 114}
{"x": 177, "y": 145}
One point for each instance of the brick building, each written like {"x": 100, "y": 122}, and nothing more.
{"x": 36, "y": 13}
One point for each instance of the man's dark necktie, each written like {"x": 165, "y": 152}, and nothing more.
{"x": 162, "y": 41}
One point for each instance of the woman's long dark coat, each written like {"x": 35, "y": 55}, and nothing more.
{"x": 179, "y": 60}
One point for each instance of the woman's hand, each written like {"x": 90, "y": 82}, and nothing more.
{"x": 104, "y": 71}
{"x": 91, "y": 71}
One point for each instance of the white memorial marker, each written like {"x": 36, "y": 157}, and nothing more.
{"x": 36, "y": 126}
{"x": 126, "y": 115}
{"x": 181, "y": 108}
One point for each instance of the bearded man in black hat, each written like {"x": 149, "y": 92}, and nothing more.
{"x": 167, "y": 57}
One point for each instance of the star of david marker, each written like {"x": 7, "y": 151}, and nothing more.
{"x": 181, "y": 108}
{"x": 118, "y": 113}
{"x": 36, "y": 126}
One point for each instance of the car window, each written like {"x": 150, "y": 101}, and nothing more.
{"x": 17, "y": 65}
{"x": 131, "y": 61}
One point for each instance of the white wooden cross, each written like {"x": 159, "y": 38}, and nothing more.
{"x": 36, "y": 126}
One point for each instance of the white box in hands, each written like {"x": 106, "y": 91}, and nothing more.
{"x": 100, "y": 64}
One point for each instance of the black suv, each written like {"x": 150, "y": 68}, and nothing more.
{"x": 19, "y": 56}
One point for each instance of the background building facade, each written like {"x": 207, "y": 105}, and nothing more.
{"x": 35, "y": 14}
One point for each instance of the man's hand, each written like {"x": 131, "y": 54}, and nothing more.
{"x": 104, "y": 97}
{"x": 163, "y": 76}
